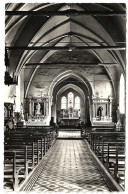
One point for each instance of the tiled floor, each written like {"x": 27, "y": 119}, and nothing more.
{"x": 70, "y": 169}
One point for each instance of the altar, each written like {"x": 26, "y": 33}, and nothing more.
{"x": 70, "y": 121}
{"x": 38, "y": 112}
{"x": 70, "y": 116}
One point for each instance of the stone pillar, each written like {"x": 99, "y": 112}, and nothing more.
{"x": 90, "y": 109}
{"x": 30, "y": 108}
{"x": 93, "y": 110}
{"x": 47, "y": 107}
{"x": 110, "y": 108}
{"x": 53, "y": 114}
{"x": 55, "y": 119}
{"x": 44, "y": 108}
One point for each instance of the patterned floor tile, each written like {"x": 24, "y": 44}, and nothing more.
{"x": 70, "y": 169}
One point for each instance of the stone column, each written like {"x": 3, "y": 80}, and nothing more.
{"x": 44, "y": 108}
{"x": 30, "y": 108}
{"x": 54, "y": 111}
{"x": 49, "y": 101}
{"x": 47, "y": 107}
{"x": 110, "y": 108}
{"x": 90, "y": 108}
{"x": 93, "y": 110}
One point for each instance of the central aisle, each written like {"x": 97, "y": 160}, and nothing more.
{"x": 70, "y": 169}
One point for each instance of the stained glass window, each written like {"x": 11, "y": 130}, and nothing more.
{"x": 77, "y": 103}
{"x": 70, "y": 100}
{"x": 63, "y": 102}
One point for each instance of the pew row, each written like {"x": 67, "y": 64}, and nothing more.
{"x": 24, "y": 151}
{"x": 109, "y": 146}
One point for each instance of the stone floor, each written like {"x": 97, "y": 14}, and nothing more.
{"x": 70, "y": 168}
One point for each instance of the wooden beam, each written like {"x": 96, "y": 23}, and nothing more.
{"x": 71, "y": 48}
{"x": 71, "y": 12}
{"x": 72, "y": 64}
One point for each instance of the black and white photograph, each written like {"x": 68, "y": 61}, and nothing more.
{"x": 64, "y": 104}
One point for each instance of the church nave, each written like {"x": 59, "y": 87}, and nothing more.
{"x": 64, "y": 101}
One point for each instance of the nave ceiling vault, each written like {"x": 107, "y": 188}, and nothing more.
{"x": 66, "y": 31}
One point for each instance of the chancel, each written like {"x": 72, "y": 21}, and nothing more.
{"x": 65, "y": 97}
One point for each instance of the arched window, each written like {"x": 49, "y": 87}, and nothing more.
{"x": 77, "y": 103}
{"x": 63, "y": 102}
{"x": 70, "y": 100}
{"x": 122, "y": 95}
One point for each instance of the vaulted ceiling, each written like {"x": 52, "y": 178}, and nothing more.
{"x": 62, "y": 40}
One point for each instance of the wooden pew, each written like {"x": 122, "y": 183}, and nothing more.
{"x": 109, "y": 147}
{"x": 101, "y": 146}
{"x": 10, "y": 177}
{"x": 33, "y": 129}
{"x": 116, "y": 160}
{"x": 37, "y": 144}
{"x": 109, "y": 135}
{"x": 15, "y": 167}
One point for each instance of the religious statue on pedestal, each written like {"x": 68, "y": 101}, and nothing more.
{"x": 21, "y": 121}
{"x": 118, "y": 114}
{"x": 118, "y": 124}
{"x": 79, "y": 113}
{"x": 21, "y": 112}
{"x": 99, "y": 112}
{"x": 38, "y": 109}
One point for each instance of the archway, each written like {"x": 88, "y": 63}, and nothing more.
{"x": 80, "y": 88}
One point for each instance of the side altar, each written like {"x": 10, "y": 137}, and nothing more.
{"x": 38, "y": 111}
{"x": 102, "y": 111}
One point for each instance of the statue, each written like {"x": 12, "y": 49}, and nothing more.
{"x": 21, "y": 120}
{"x": 79, "y": 113}
{"x": 118, "y": 114}
{"x": 38, "y": 109}
{"x": 118, "y": 124}
{"x": 99, "y": 113}
{"x": 21, "y": 112}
